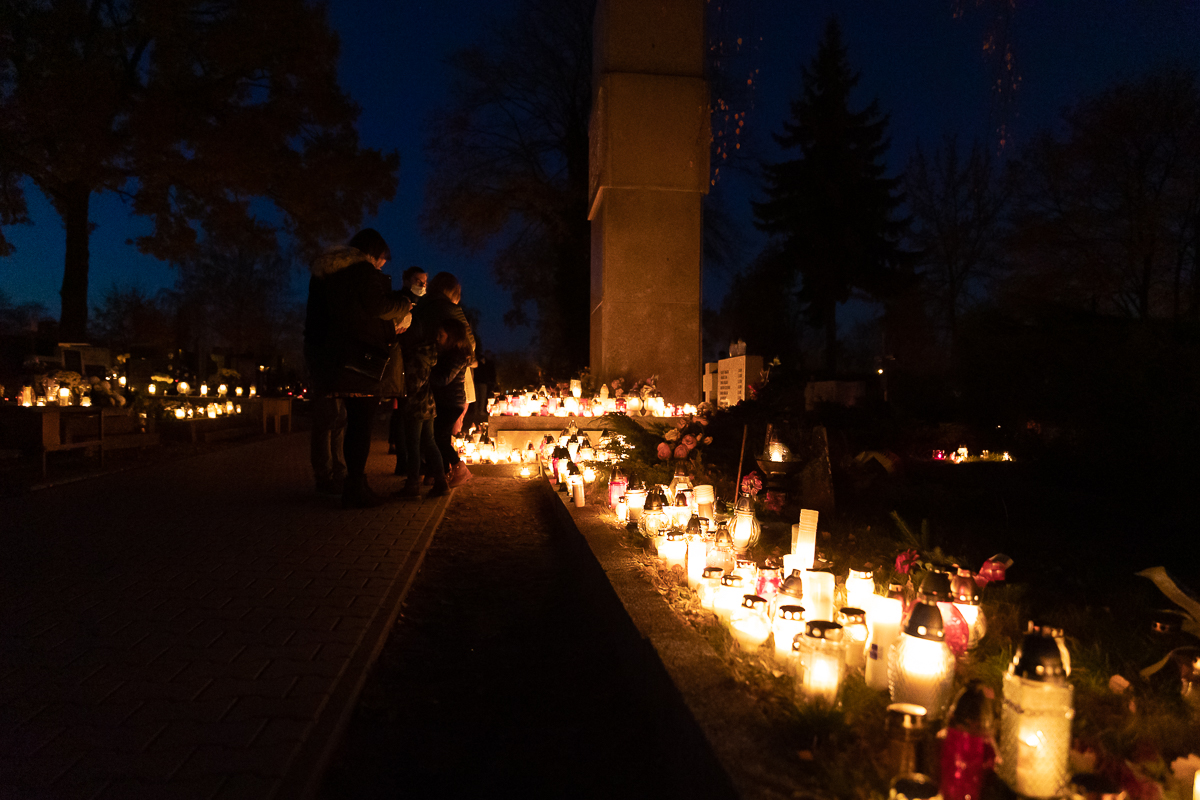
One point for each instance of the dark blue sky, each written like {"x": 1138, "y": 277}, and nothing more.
{"x": 925, "y": 63}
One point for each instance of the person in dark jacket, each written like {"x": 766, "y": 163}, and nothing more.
{"x": 354, "y": 309}
{"x": 442, "y": 303}
{"x": 415, "y": 281}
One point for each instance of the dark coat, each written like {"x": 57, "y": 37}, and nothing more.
{"x": 350, "y": 303}
{"x": 420, "y": 358}
{"x": 449, "y": 388}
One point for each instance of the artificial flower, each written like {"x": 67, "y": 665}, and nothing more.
{"x": 664, "y": 450}
{"x": 905, "y": 561}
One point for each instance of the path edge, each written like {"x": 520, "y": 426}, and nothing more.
{"x": 310, "y": 762}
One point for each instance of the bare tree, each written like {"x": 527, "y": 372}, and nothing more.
{"x": 957, "y": 209}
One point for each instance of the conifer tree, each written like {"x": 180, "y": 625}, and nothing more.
{"x": 831, "y": 211}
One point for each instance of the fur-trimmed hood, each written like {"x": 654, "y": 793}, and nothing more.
{"x": 335, "y": 259}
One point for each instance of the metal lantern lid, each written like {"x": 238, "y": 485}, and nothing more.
{"x": 694, "y": 528}
{"x": 654, "y": 501}
{"x": 925, "y": 622}
{"x": 723, "y": 539}
{"x": 713, "y": 572}
{"x": 793, "y": 584}
{"x": 964, "y": 589}
{"x": 681, "y": 500}
{"x": 573, "y": 468}
{"x": 753, "y": 601}
{"x": 907, "y": 717}
{"x": 823, "y": 629}
{"x": 675, "y": 535}
{"x": 732, "y": 579}
{"x": 635, "y": 485}
{"x": 560, "y": 452}
{"x": 795, "y": 613}
{"x": 936, "y": 586}
{"x": 860, "y": 574}
{"x": 744, "y": 503}
{"x": 1038, "y": 658}
{"x": 618, "y": 476}
{"x": 913, "y": 786}
{"x": 853, "y": 616}
{"x": 895, "y": 591}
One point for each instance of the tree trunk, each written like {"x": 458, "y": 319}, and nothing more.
{"x": 831, "y": 340}
{"x": 74, "y": 210}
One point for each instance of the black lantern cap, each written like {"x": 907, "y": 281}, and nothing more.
{"x": 654, "y": 501}
{"x": 793, "y": 585}
{"x": 1038, "y": 658}
{"x": 964, "y": 589}
{"x": 752, "y": 600}
{"x": 790, "y": 612}
{"x": 936, "y": 586}
{"x": 713, "y": 572}
{"x": 925, "y": 622}
{"x": 823, "y": 629}
{"x": 732, "y": 579}
{"x": 853, "y": 614}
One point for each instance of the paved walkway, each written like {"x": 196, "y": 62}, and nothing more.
{"x": 195, "y": 629}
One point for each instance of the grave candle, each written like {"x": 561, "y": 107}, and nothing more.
{"x": 819, "y": 586}
{"x": 883, "y": 630}
{"x": 788, "y": 624}
{"x": 824, "y": 662}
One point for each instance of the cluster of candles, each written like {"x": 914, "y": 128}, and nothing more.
{"x": 60, "y": 395}
{"x": 211, "y": 410}
{"x": 222, "y": 391}
{"x": 820, "y": 628}
{"x": 551, "y": 403}
{"x": 962, "y": 454}
{"x": 568, "y": 460}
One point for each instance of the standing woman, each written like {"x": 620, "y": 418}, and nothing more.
{"x": 362, "y": 311}
{"x": 439, "y": 305}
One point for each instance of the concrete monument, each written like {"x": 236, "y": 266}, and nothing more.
{"x": 649, "y": 139}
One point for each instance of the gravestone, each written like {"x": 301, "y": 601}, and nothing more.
{"x": 648, "y": 172}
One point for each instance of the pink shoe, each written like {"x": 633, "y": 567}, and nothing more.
{"x": 459, "y": 474}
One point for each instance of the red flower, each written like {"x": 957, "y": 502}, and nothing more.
{"x": 689, "y": 441}
{"x": 664, "y": 450}
{"x": 681, "y": 452}
{"x": 905, "y": 561}
{"x": 751, "y": 484}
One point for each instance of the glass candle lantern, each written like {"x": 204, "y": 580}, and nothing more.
{"x": 653, "y": 518}
{"x": 253, "y": 390}
{"x": 965, "y": 595}
{"x": 788, "y": 624}
{"x": 705, "y": 498}
{"x": 791, "y": 591}
{"x": 920, "y": 665}
{"x": 617, "y": 485}
{"x": 729, "y": 596}
{"x": 674, "y": 549}
{"x": 823, "y": 662}
{"x": 680, "y": 483}
{"x": 745, "y": 529}
{"x": 749, "y": 623}
{"x": 222, "y": 389}
{"x": 1035, "y": 723}
{"x": 721, "y": 554}
{"x": 204, "y": 390}
{"x": 860, "y": 590}
{"x": 883, "y": 629}
{"x": 768, "y": 582}
{"x": 635, "y": 498}
{"x": 820, "y": 586}
{"x": 710, "y": 584}
{"x": 697, "y": 552}
{"x": 935, "y": 588}
{"x": 64, "y": 396}
{"x": 854, "y": 627}
{"x": 622, "y": 509}
{"x": 681, "y": 511}
{"x": 237, "y": 391}
{"x": 748, "y": 570}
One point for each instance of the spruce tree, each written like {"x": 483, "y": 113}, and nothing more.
{"x": 832, "y": 211}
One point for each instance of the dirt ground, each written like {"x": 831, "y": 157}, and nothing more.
{"x": 494, "y": 681}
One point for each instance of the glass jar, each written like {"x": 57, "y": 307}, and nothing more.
{"x": 749, "y": 623}
{"x": 788, "y": 624}
{"x": 854, "y": 626}
{"x": 824, "y": 662}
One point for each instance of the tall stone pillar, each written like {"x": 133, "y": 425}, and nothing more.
{"x": 650, "y": 135}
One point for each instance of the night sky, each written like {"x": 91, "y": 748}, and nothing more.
{"x": 925, "y": 63}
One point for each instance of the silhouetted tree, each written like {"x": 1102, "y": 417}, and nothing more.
{"x": 957, "y": 210}
{"x": 831, "y": 211}
{"x": 234, "y": 298}
{"x": 509, "y": 167}
{"x": 1107, "y": 217}
{"x": 189, "y": 109}
{"x": 128, "y": 316}
{"x": 19, "y": 317}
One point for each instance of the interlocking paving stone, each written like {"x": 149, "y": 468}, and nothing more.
{"x": 179, "y": 631}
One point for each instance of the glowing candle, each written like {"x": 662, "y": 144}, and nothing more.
{"x": 152, "y": 389}
{"x": 697, "y": 554}
{"x": 704, "y": 497}
{"x": 674, "y": 549}
{"x": 710, "y": 585}
{"x": 745, "y": 527}
{"x": 788, "y": 624}
{"x": 748, "y": 623}
{"x": 204, "y": 390}
{"x": 854, "y": 636}
{"x": 883, "y": 630}
{"x": 635, "y": 498}
{"x": 860, "y": 591}
{"x": 819, "y": 587}
{"x": 920, "y": 665}
{"x": 823, "y": 662}
{"x": 729, "y": 596}
{"x": 180, "y": 413}
{"x": 804, "y": 538}
{"x": 1035, "y": 727}
{"x": 622, "y": 507}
